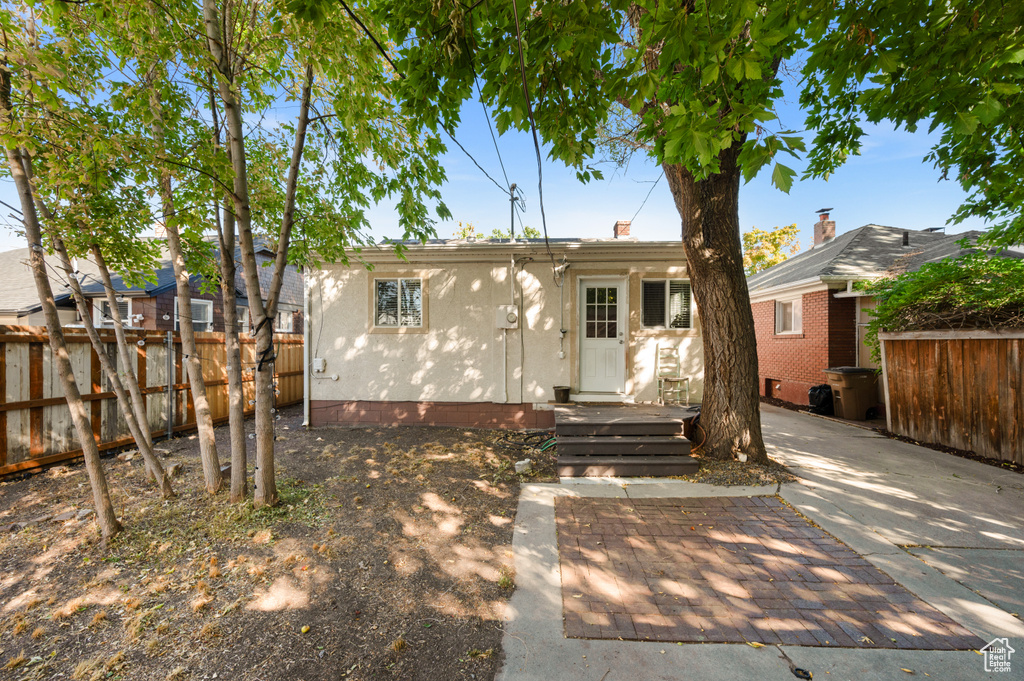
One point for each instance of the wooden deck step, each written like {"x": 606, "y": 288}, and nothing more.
{"x": 624, "y": 466}
{"x": 619, "y": 426}
{"x": 623, "y": 445}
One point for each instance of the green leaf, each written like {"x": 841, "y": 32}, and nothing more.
{"x": 710, "y": 74}
{"x": 782, "y": 177}
{"x": 752, "y": 69}
{"x": 964, "y": 123}
{"x": 734, "y": 67}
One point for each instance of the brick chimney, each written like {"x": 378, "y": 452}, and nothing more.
{"x": 622, "y": 228}
{"x": 824, "y": 229}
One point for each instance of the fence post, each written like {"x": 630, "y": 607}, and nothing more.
{"x": 170, "y": 384}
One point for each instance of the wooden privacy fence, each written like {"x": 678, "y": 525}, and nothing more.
{"x": 961, "y": 389}
{"x": 35, "y": 423}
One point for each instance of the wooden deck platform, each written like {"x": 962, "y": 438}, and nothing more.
{"x": 622, "y": 440}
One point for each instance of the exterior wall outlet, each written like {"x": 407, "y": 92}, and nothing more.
{"x": 319, "y": 365}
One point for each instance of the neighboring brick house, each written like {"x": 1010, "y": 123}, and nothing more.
{"x": 807, "y": 315}
{"x": 152, "y": 306}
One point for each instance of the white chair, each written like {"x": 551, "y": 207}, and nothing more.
{"x": 671, "y": 382}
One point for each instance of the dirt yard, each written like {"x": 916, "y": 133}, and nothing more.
{"x": 388, "y": 558}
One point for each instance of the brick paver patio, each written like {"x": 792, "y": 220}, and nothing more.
{"x": 730, "y": 570}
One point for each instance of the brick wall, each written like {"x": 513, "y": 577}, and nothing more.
{"x": 457, "y": 414}
{"x": 790, "y": 364}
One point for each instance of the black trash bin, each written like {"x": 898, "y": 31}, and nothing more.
{"x": 820, "y": 397}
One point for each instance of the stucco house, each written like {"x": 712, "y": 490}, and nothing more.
{"x": 807, "y": 315}
{"x": 152, "y": 306}
{"x": 479, "y": 332}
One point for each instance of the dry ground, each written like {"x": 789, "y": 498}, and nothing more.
{"x": 388, "y": 558}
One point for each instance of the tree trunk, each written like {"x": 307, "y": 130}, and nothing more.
{"x": 731, "y": 408}
{"x": 228, "y": 64}
{"x": 264, "y": 484}
{"x": 193, "y": 365}
{"x": 232, "y": 346}
{"x": 236, "y": 397}
{"x": 17, "y": 162}
{"x": 123, "y": 401}
{"x": 123, "y": 351}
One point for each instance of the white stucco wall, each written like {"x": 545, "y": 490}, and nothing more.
{"x": 460, "y": 356}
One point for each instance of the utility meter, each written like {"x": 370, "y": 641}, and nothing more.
{"x": 507, "y": 317}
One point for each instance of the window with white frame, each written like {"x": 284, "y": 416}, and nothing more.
{"x": 666, "y": 304}
{"x": 242, "y": 312}
{"x": 789, "y": 316}
{"x": 103, "y": 317}
{"x": 398, "y": 302}
{"x": 202, "y": 315}
{"x": 283, "y": 322}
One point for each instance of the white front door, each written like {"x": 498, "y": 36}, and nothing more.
{"x": 603, "y": 335}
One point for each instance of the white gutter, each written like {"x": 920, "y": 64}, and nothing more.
{"x": 782, "y": 287}
{"x": 307, "y": 320}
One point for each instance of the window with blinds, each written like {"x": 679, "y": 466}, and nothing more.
{"x": 399, "y": 302}
{"x": 666, "y": 304}
{"x": 202, "y": 315}
{"x": 124, "y": 313}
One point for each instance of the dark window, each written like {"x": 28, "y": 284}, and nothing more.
{"x": 666, "y": 304}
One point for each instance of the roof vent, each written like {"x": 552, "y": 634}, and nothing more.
{"x": 906, "y": 238}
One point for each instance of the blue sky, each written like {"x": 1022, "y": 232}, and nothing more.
{"x": 888, "y": 184}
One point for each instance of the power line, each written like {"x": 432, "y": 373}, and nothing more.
{"x": 486, "y": 174}
{"x": 536, "y": 141}
{"x": 380, "y": 48}
{"x": 490, "y": 127}
{"x": 649, "y": 192}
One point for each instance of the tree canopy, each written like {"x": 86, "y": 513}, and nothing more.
{"x": 956, "y": 67}
{"x": 762, "y": 249}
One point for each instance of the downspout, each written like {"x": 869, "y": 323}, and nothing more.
{"x": 504, "y": 332}
{"x": 307, "y": 320}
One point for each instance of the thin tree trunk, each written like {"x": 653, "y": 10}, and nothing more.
{"x": 228, "y": 64}
{"x": 232, "y": 346}
{"x": 17, "y": 161}
{"x": 233, "y": 349}
{"x": 191, "y": 361}
{"x": 731, "y": 409}
{"x": 123, "y": 351}
{"x": 123, "y": 400}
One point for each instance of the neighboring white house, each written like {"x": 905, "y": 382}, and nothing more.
{"x": 478, "y": 333}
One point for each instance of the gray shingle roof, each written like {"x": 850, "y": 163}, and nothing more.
{"x": 862, "y": 253}
{"x": 18, "y": 291}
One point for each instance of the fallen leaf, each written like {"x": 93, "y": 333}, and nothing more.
{"x": 909, "y": 671}
{"x": 755, "y": 644}
{"x": 305, "y": 628}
